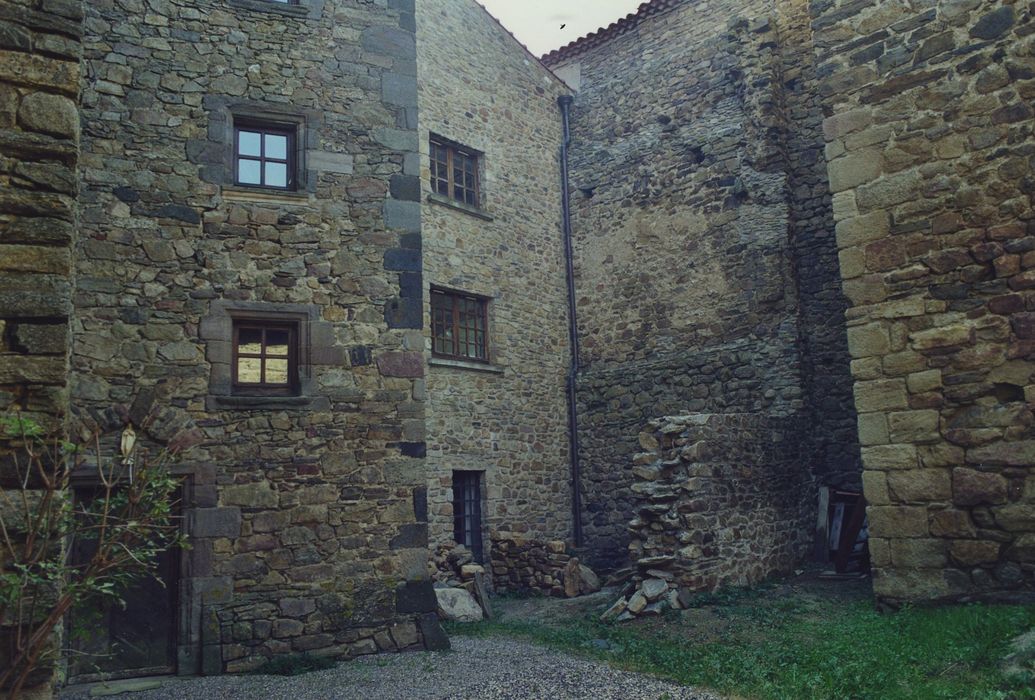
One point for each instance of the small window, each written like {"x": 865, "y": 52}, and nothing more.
{"x": 265, "y": 358}
{"x": 467, "y": 511}
{"x": 459, "y": 326}
{"x": 454, "y": 172}
{"x": 264, "y": 155}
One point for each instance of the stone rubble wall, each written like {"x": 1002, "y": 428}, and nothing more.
{"x": 506, "y": 420}
{"x": 720, "y": 500}
{"x": 307, "y": 516}
{"x": 521, "y": 564}
{"x": 930, "y": 137}
{"x": 40, "y": 69}
{"x": 681, "y": 197}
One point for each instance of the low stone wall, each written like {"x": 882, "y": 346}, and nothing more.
{"x": 720, "y": 500}
{"x": 528, "y": 565}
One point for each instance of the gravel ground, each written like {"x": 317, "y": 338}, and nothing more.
{"x": 476, "y": 669}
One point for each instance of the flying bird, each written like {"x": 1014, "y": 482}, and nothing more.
{"x": 563, "y": 26}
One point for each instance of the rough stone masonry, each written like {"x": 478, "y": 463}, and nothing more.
{"x": 930, "y": 144}
{"x": 772, "y": 201}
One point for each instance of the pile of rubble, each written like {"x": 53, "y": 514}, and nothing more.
{"x": 650, "y": 596}
{"x": 462, "y": 585}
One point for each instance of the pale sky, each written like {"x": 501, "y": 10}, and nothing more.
{"x": 537, "y": 23}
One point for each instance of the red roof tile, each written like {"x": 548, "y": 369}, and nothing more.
{"x": 602, "y": 36}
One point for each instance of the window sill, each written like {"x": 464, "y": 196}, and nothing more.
{"x": 270, "y": 7}
{"x": 269, "y": 403}
{"x": 256, "y": 194}
{"x": 464, "y": 364}
{"x": 448, "y": 203}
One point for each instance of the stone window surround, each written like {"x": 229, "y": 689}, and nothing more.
{"x": 303, "y": 9}
{"x": 479, "y": 211}
{"x": 225, "y": 112}
{"x": 490, "y": 363}
{"x": 315, "y": 346}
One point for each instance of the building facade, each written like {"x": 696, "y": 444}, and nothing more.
{"x": 310, "y": 242}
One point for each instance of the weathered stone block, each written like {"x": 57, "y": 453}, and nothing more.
{"x": 883, "y": 457}
{"x": 971, "y": 488}
{"x": 875, "y": 488}
{"x": 920, "y": 485}
{"x": 880, "y": 395}
{"x": 896, "y": 522}
{"x": 946, "y": 336}
{"x": 1013, "y": 454}
{"x": 913, "y": 426}
{"x": 256, "y": 495}
{"x": 952, "y": 523}
{"x": 873, "y": 429}
{"x": 216, "y": 522}
{"x": 1016, "y": 517}
{"x": 869, "y": 340}
{"x": 918, "y": 553}
{"x": 974, "y": 552}
{"x": 401, "y": 364}
{"x": 854, "y": 169}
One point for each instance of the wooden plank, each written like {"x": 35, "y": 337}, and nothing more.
{"x": 822, "y": 547}
{"x": 482, "y": 595}
{"x": 849, "y": 535}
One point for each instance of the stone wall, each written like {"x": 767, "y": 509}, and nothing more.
{"x": 720, "y": 500}
{"x": 307, "y": 514}
{"x": 682, "y": 213}
{"x": 507, "y": 418}
{"x": 930, "y": 142}
{"x": 521, "y": 564}
{"x": 832, "y": 443}
{"x": 40, "y": 51}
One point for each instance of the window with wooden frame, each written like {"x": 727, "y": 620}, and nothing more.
{"x": 264, "y": 154}
{"x": 265, "y": 358}
{"x": 459, "y": 326}
{"x": 467, "y": 511}
{"x": 454, "y": 172}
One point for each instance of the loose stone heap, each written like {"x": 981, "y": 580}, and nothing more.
{"x": 520, "y": 564}
{"x": 720, "y": 501}
{"x": 930, "y": 149}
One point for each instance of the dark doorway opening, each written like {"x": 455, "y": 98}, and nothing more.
{"x": 134, "y": 637}
{"x": 467, "y": 512}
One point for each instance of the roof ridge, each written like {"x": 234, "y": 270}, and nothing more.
{"x": 537, "y": 59}
{"x": 605, "y": 34}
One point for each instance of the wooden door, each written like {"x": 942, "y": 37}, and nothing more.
{"x": 136, "y": 638}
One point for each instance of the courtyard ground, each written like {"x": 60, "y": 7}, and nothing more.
{"x": 798, "y": 639}
{"x": 489, "y": 668}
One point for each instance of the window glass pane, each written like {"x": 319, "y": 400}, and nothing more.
{"x": 248, "y": 172}
{"x": 249, "y": 370}
{"x": 276, "y": 146}
{"x": 249, "y": 340}
{"x": 249, "y": 143}
{"x": 276, "y": 175}
{"x": 277, "y": 342}
{"x": 277, "y": 371}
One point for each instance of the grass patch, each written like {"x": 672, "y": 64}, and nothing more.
{"x": 294, "y": 665}
{"x": 802, "y": 647}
